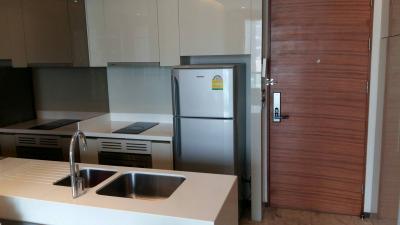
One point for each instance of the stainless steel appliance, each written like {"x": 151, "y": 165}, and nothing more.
{"x": 209, "y": 118}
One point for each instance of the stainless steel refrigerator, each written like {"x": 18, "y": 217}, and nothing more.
{"x": 209, "y": 118}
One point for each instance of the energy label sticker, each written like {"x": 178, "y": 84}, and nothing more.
{"x": 217, "y": 83}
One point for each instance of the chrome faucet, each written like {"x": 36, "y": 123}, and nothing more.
{"x": 77, "y": 182}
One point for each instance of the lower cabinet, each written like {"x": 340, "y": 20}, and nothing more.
{"x": 7, "y": 145}
{"x": 162, "y": 156}
{"x": 123, "y": 152}
{"x": 91, "y": 154}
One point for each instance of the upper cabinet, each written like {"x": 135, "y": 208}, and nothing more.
{"x": 122, "y": 31}
{"x": 168, "y": 32}
{"x": 220, "y": 27}
{"x": 97, "y": 32}
{"x": 163, "y": 30}
{"x": 47, "y": 32}
{"x": 12, "y": 43}
{"x": 132, "y": 30}
{"x": 77, "y": 21}
{"x": 55, "y": 32}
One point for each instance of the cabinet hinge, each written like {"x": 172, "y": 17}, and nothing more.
{"x": 367, "y": 87}
{"x": 372, "y": 3}
{"x": 362, "y": 188}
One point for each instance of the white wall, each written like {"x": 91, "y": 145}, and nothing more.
{"x": 377, "y": 91}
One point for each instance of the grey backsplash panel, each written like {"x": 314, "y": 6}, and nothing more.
{"x": 71, "y": 89}
{"x": 140, "y": 89}
{"x": 16, "y": 94}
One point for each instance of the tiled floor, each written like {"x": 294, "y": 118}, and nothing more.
{"x": 296, "y": 217}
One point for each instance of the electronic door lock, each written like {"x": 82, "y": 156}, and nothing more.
{"x": 277, "y": 116}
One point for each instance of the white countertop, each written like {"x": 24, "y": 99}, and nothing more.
{"x": 105, "y": 125}
{"x": 27, "y": 193}
{"x": 101, "y": 126}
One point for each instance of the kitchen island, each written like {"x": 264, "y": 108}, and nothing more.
{"x": 28, "y": 193}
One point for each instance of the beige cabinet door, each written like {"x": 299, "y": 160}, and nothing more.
{"x": 168, "y": 32}
{"x": 162, "y": 155}
{"x": 12, "y": 44}
{"x": 132, "y": 30}
{"x": 47, "y": 31}
{"x": 215, "y": 27}
{"x": 77, "y": 19}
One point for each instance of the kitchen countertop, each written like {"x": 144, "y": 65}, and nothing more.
{"x": 27, "y": 193}
{"x": 105, "y": 125}
{"x": 101, "y": 126}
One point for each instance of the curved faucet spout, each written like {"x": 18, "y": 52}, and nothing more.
{"x": 77, "y": 185}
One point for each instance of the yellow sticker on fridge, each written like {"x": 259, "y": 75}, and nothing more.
{"x": 217, "y": 83}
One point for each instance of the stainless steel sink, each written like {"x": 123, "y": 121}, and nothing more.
{"x": 91, "y": 178}
{"x": 142, "y": 186}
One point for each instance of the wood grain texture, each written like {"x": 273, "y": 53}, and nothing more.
{"x": 394, "y": 22}
{"x": 320, "y": 57}
{"x": 390, "y": 159}
{"x": 47, "y": 31}
{"x": 77, "y": 18}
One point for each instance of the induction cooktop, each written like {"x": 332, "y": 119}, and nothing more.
{"x": 136, "y": 128}
{"x": 54, "y": 124}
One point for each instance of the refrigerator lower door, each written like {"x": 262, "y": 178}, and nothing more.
{"x": 205, "y": 145}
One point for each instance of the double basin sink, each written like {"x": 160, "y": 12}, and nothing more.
{"x": 129, "y": 185}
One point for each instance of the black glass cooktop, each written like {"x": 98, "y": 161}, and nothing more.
{"x": 9, "y": 222}
{"x": 136, "y": 128}
{"x": 54, "y": 124}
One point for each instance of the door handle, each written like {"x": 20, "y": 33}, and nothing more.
{"x": 277, "y": 116}
{"x": 270, "y": 82}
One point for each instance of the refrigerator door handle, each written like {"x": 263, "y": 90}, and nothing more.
{"x": 177, "y": 138}
{"x": 175, "y": 93}
{"x": 175, "y": 106}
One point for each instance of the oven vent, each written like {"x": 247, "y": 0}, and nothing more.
{"x": 22, "y": 140}
{"x": 37, "y": 141}
{"x": 49, "y": 141}
{"x": 127, "y": 146}
{"x": 111, "y": 145}
{"x": 141, "y": 146}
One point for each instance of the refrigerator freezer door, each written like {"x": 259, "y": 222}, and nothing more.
{"x": 206, "y": 145}
{"x": 206, "y": 93}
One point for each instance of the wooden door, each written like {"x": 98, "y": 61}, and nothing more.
{"x": 47, "y": 31}
{"x": 320, "y": 57}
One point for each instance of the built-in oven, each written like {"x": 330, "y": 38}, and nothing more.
{"x": 124, "y": 152}
{"x": 42, "y": 147}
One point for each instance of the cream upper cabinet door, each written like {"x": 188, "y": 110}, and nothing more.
{"x": 168, "y": 29}
{"x": 131, "y": 27}
{"x": 96, "y": 33}
{"x": 220, "y": 27}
